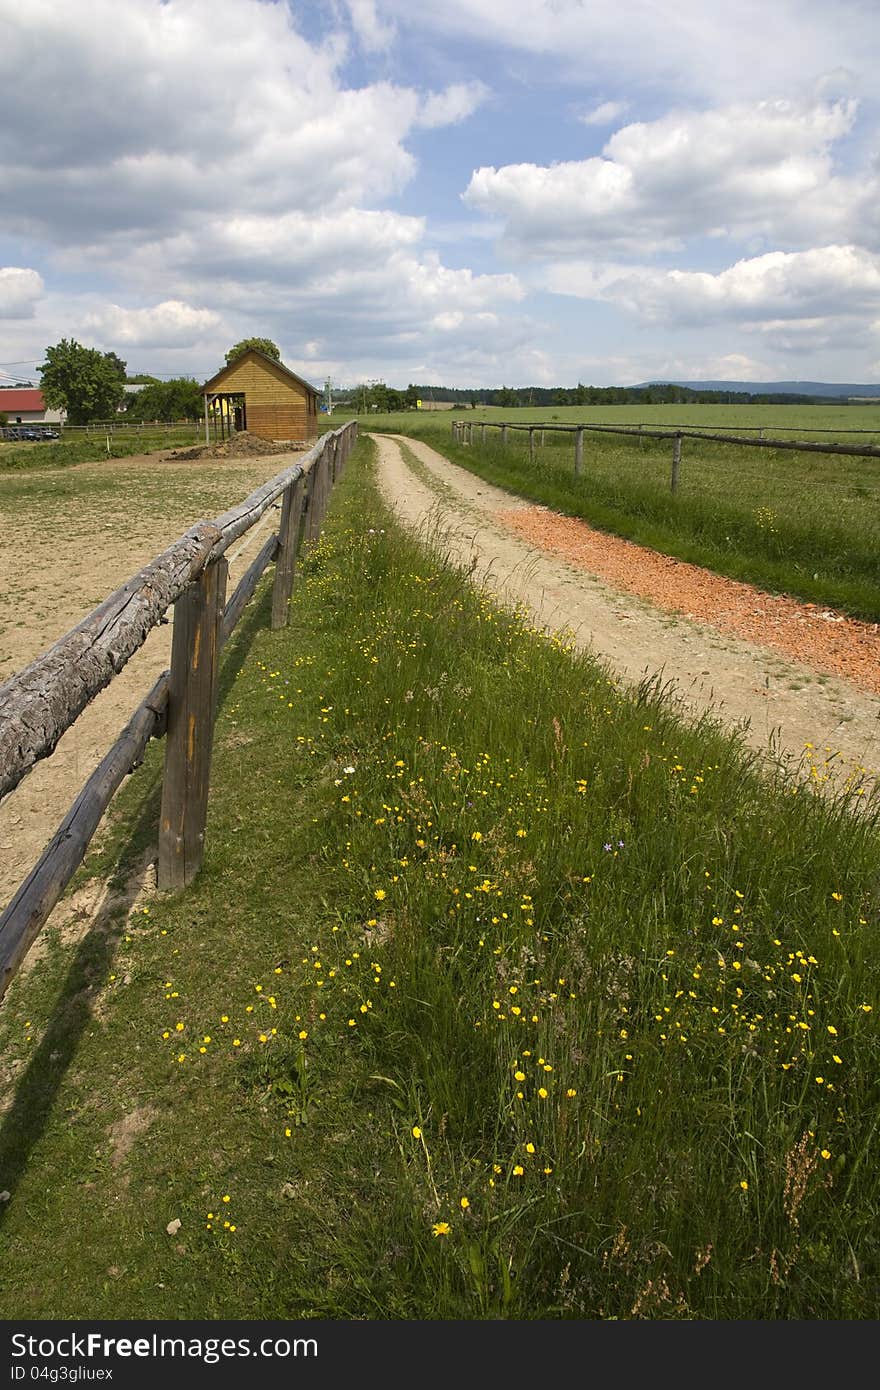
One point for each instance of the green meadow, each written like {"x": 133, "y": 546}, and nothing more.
{"x": 503, "y": 993}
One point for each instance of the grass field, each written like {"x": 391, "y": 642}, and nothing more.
{"x": 79, "y": 447}
{"x": 502, "y": 994}
{"x": 803, "y": 524}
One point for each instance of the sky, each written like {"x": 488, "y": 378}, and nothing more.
{"x": 473, "y": 193}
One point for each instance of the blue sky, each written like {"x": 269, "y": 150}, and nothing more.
{"x": 481, "y": 193}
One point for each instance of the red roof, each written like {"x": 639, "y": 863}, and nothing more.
{"x": 23, "y": 399}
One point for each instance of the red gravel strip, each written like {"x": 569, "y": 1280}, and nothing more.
{"x": 817, "y": 637}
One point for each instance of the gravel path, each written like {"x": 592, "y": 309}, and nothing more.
{"x": 800, "y": 683}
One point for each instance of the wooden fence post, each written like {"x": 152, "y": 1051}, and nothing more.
{"x": 503, "y": 434}
{"x": 313, "y": 519}
{"x": 579, "y": 451}
{"x": 191, "y": 706}
{"x": 288, "y": 536}
{"x": 542, "y": 439}
{"x": 676, "y": 461}
{"x": 482, "y": 434}
{"x": 531, "y": 445}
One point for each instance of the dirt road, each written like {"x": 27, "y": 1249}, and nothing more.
{"x": 789, "y": 709}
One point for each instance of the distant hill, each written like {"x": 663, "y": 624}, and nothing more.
{"x": 774, "y": 388}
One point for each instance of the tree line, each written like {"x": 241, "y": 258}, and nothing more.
{"x": 660, "y": 393}
{"x": 90, "y": 385}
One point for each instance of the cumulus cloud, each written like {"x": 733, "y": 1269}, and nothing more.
{"x": 171, "y": 323}
{"x": 455, "y": 104}
{"x": 153, "y": 131}
{"x": 20, "y": 290}
{"x": 605, "y": 113}
{"x": 762, "y": 170}
{"x": 822, "y": 283}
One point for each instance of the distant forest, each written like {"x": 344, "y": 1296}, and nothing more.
{"x": 378, "y": 396}
{"x": 662, "y": 394}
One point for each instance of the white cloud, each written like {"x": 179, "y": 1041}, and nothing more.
{"x": 455, "y": 104}
{"x": 829, "y": 282}
{"x": 703, "y": 49}
{"x": 760, "y": 171}
{"x": 606, "y": 113}
{"x": 171, "y": 324}
{"x": 20, "y": 289}
{"x": 375, "y": 36}
{"x": 162, "y": 122}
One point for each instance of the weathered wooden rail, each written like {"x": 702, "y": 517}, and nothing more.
{"x": 463, "y": 433}
{"x": 41, "y": 702}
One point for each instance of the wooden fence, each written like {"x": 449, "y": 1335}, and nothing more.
{"x": 463, "y": 433}
{"x": 41, "y": 702}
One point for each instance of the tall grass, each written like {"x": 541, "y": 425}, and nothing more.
{"x": 503, "y": 993}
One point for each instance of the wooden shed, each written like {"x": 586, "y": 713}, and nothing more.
{"x": 260, "y": 395}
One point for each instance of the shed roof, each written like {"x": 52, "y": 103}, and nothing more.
{"x": 216, "y": 380}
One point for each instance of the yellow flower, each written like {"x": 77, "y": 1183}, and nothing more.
{"x": 518, "y": 1170}
{"x": 440, "y": 1228}
{"x": 416, "y": 1132}
{"x": 464, "y": 1203}
{"x": 302, "y": 1035}
{"x": 832, "y": 1030}
{"x": 519, "y": 1076}
{"x": 744, "y": 1185}
{"x": 571, "y": 1092}
{"x": 826, "y": 1153}
{"x": 379, "y": 895}
{"x": 530, "y": 1148}
{"x": 543, "y": 1092}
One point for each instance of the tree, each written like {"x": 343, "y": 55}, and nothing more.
{"x": 177, "y": 399}
{"x": 119, "y": 367}
{"x": 261, "y": 344}
{"x": 81, "y": 381}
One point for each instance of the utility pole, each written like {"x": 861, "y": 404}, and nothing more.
{"x": 328, "y": 396}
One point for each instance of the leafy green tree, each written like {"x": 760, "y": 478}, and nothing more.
{"x": 119, "y": 367}
{"x": 81, "y": 381}
{"x": 261, "y": 344}
{"x": 177, "y": 399}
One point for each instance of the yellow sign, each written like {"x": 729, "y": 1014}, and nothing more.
{"x": 418, "y": 405}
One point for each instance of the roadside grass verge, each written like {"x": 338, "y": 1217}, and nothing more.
{"x": 502, "y": 993}
{"x": 801, "y": 524}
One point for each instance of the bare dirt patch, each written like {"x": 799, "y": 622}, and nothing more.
{"x": 241, "y": 445}
{"x": 785, "y": 701}
{"x": 70, "y": 537}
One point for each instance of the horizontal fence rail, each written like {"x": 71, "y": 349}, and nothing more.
{"x": 463, "y": 433}
{"x": 41, "y": 702}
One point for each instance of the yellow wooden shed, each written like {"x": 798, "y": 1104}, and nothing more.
{"x": 258, "y": 394}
